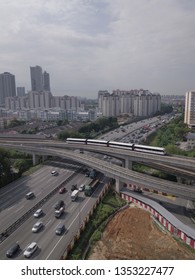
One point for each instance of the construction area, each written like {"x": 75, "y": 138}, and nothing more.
{"x": 133, "y": 235}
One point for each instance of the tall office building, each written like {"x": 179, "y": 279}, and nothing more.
{"x": 39, "y": 81}
{"x": 7, "y": 87}
{"x": 46, "y": 81}
{"x": 36, "y": 75}
{"x": 20, "y": 91}
{"x": 189, "y": 116}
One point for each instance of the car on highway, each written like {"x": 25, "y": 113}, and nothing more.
{"x": 87, "y": 173}
{"x": 74, "y": 187}
{"x": 82, "y": 188}
{"x": 60, "y": 229}
{"x": 59, "y": 204}
{"x": 38, "y": 213}
{"x": 54, "y": 173}
{"x": 30, "y": 195}
{"x": 13, "y": 250}
{"x": 31, "y": 248}
{"x": 37, "y": 226}
{"x": 62, "y": 190}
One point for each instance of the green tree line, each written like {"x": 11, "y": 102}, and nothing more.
{"x": 91, "y": 129}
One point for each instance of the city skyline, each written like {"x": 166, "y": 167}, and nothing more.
{"x": 92, "y": 45}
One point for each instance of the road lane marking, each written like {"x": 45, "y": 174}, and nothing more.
{"x": 48, "y": 222}
{"x": 19, "y": 208}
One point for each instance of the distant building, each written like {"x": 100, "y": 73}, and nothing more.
{"x": 20, "y": 91}
{"x": 191, "y": 141}
{"x": 39, "y": 99}
{"x": 36, "y": 76}
{"x": 140, "y": 103}
{"x": 189, "y": 116}
{"x": 7, "y": 87}
{"x": 46, "y": 81}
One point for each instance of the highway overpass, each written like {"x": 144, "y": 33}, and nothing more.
{"x": 120, "y": 174}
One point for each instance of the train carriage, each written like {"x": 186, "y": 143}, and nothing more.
{"x": 149, "y": 149}
{"x": 119, "y": 145}
{"x": 76, "y": 140}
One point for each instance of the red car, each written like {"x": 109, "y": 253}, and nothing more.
{"x": 62, "y": 190}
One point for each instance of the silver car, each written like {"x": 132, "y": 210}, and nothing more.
{"x": 31, "y": 248}
{"x": 38, "y": 213}
{"x": 37, "y": 226}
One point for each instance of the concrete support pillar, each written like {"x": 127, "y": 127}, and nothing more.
{"x": 128, "y": 164}
{"x": 179, "y": 179}
{"x": 119, "y": 185}
{"x": 44, "y": 158}
{"x": 35, "y": 159}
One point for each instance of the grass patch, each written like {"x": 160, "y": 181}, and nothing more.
{"x": 93, "y": 230}
{"x": 32, "y": 170}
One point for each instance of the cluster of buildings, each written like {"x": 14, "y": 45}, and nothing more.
{"x": 39, "y": 103}
{"x": 139, "y": 103}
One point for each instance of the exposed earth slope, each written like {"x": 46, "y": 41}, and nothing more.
{"x": 132, "y": 234}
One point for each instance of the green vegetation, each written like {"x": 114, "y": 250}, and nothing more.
{"x": 165, "y": 109}
{"x": 9, "y": 160}
{"x": 14, "y": 123}
{"x": 169, "y": 135}
{"x": 91, "y": 129}
{"x": 93, "y": 230}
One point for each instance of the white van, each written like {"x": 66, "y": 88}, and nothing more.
{"x": 29, "y": 195}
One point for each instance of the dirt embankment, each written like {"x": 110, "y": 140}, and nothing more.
{"x": 131, "y": 234}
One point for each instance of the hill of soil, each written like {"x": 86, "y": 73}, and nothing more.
{"x": 132, "y": 235}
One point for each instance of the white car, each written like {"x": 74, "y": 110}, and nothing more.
{"x": 82, "y": 187}
{"x": 54, "y": 173}
{"x": 38, "y": 213}
{"x": 37, "y": 226}
{"x": 31, "y": 248}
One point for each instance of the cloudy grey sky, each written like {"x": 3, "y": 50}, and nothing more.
{"x": 87, "y": 45}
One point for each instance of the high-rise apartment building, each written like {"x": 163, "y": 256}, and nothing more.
{"x": 36, "y": 75}
{"x": 7, "y": 87}
{"x": 40, "y": 81}
{"x": 20, "y": 91}
{"x": 140, "y": 103}
{"x": 46, "y": 81}
{"x": 189, "y": 116}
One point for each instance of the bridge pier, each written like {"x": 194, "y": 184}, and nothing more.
{"x": 118, "y": 185}
{"x": 182, "y": 180}
{"x": 35, "y": 159}
{"x": 128, "y": 163}
{"x": 44, "y": 158}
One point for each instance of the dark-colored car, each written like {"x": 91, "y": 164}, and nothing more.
{"x": 87, "y": 174}
{"x": 11, "y": 252}
{"x": 74, "y": 187}
{"x": 60, "y": 229}
{"x": 59, "y": 204}
{"x": 138, "y": 190}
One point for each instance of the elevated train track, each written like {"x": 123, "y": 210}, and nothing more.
{"x": 123, "y": 174}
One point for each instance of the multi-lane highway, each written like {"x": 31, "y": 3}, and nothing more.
{"x": 14, "y": 204}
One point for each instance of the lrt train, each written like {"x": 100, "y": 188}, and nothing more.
{"x": 118, "y": 145}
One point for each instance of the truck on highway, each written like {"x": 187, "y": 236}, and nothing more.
{"x": 74, "y": 195}
{"x": 92, "y": 174}
{"x": 89, "y": 189}
{"x": 59, "y": 212}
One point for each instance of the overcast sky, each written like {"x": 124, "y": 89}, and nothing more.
{"x": 88, "y": 45}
